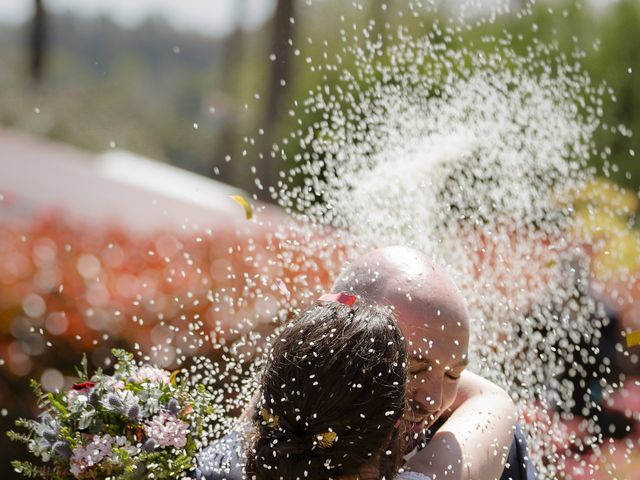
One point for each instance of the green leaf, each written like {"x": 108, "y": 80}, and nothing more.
{"x": 37, "y": 389}
{"x": 125, "y": 362}
{"x": 59, "y": 406}
{"x": 29, "y": 470}
{"x": 83, "y": 371}
{"x": 18, "y": 437}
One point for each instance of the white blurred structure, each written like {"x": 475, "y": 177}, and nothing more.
{"x": 117, "y": 187}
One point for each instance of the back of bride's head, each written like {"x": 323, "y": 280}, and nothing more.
{"x": 332, "y": 389}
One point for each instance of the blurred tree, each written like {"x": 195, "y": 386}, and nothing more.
{"x": 147, "y": 97}
{"x": 617, "y": 62}
{"x": 233, "y": 45}
{"x": 380, "y": 18}
{"x": 279, "y": 77}
{"x": 233, "y": 52}
{"x": 38, "y": 41}
{"x": 516, "y": 5}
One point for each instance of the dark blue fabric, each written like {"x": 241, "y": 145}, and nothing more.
{"x": 519, "y": 466}
{"x": 224, "y": 459}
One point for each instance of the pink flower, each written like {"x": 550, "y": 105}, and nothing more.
{"x": 167, "y": 430}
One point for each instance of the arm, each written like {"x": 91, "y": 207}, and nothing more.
{"x": 474, "y": 441}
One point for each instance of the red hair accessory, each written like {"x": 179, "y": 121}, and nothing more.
{"x": 347, "y": 299}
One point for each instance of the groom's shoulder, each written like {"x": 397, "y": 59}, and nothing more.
{"x": 519, "y": 465}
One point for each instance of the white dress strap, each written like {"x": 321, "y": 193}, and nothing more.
{"x": 412, "y": 476}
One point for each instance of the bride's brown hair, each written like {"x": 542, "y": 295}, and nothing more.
{"x": 333, "y": 389}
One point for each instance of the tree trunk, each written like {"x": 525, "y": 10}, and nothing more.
{"x": 279, "y": 77}
{"x": 234, "y": 45}
{"x": 38, "y": 42}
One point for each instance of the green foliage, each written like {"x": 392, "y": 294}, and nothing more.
{"x": 83, "y": 370}
{"x": 29, "y": 470}
{"x": 125, "y": 362}
{"x": 18, "y": 437}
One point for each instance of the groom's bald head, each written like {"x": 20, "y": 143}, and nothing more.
{"x": 404, "y": 277}
{"x": 432, "y": 316}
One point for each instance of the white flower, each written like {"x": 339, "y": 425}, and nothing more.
{"x": 74, "y": 396}
{"x": 123, "y": 442}
{"x": 147, "y": 373}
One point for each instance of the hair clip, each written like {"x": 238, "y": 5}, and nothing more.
{"x": 347, "y": 299}
{"x": 326, "y": 439}
{"x": 271, "y": 421}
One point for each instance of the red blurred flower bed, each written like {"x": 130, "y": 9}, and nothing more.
{"x": 66, "y": 289}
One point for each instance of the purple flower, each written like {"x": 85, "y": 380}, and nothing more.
{"x": 113, "y": 403}
{"x": 85, "y": 457}
{"x": 49, "y": 435}
{"x": 173, "y": 406}
{"x": 133, "y": 413}
{"x": 61, "y": 449}
{"x": 94, "y": 398}
{"x": 150, "y": 445}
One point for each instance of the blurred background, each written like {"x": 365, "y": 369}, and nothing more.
{"x": 118, "y": 121}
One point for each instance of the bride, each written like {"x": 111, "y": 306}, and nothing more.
{"x": 330, "y": 402}
{"x": 331, "y": 397}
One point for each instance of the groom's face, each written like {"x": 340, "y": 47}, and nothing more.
{"x": 437, "y": 342}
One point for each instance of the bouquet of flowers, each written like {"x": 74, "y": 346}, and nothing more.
{"x": 140, "y": 422}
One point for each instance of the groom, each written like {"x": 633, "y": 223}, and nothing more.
{"x": 445, "y": 403}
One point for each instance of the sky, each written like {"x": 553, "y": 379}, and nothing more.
{"x": 209, "y": 17}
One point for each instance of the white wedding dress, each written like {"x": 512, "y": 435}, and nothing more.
{"x": 412, "y": 476}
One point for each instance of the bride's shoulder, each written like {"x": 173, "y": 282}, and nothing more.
{"x": 412, "y": 476}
